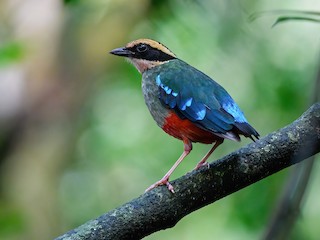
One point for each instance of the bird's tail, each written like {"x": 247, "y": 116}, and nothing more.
{"x": 247, "y": 130}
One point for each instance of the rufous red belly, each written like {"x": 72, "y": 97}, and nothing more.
{"x": 183, "y": 128}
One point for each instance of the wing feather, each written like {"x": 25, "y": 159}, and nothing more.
{"x": 195, "y": 96}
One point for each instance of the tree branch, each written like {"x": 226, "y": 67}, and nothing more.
{"x": 160, "y": 209}
{"x": 290, "y": 203}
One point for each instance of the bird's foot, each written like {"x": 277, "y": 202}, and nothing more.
{"x": 163, "y": 181}
{"x": 200, "y": 164}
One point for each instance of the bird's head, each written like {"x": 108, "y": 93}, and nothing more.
{"x": 145, "y": 53}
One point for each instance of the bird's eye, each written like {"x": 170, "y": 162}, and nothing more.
{"x": 142, "y": 48}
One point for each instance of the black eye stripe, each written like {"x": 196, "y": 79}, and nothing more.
{"x": 145, "y": 51}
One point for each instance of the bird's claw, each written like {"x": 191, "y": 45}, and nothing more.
{"x": 159, "y": 183}
{"x": 170, "y": 187}
{"x": 200, "y": 164}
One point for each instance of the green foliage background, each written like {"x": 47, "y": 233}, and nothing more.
{"x": 82, "y": 142}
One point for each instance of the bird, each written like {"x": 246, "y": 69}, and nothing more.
{"x": 185, "y": 102}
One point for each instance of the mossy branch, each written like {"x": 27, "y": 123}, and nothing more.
{"x": 160, "y": 209}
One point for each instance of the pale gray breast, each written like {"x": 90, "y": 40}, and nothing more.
{"x": 151, "y": 97}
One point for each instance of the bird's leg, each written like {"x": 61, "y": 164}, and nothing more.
{"x": 205, "y": 158}
{"x": 165, "y": 179}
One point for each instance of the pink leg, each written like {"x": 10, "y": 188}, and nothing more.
{"x": 165, "y": 179}
{"x": 205, "y": 158}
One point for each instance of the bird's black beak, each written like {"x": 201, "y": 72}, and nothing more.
{"x": 123, "y": 52}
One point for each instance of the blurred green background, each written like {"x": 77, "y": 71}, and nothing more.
{"x": 76, "y": 139}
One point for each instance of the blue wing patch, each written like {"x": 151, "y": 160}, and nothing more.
{"x": 167, "y": 95}
{"x": 195, "y": 111}
{"x": 188, "y": 106}
{"x": 184, "y": 103}
{"x": 232, "y": 108}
